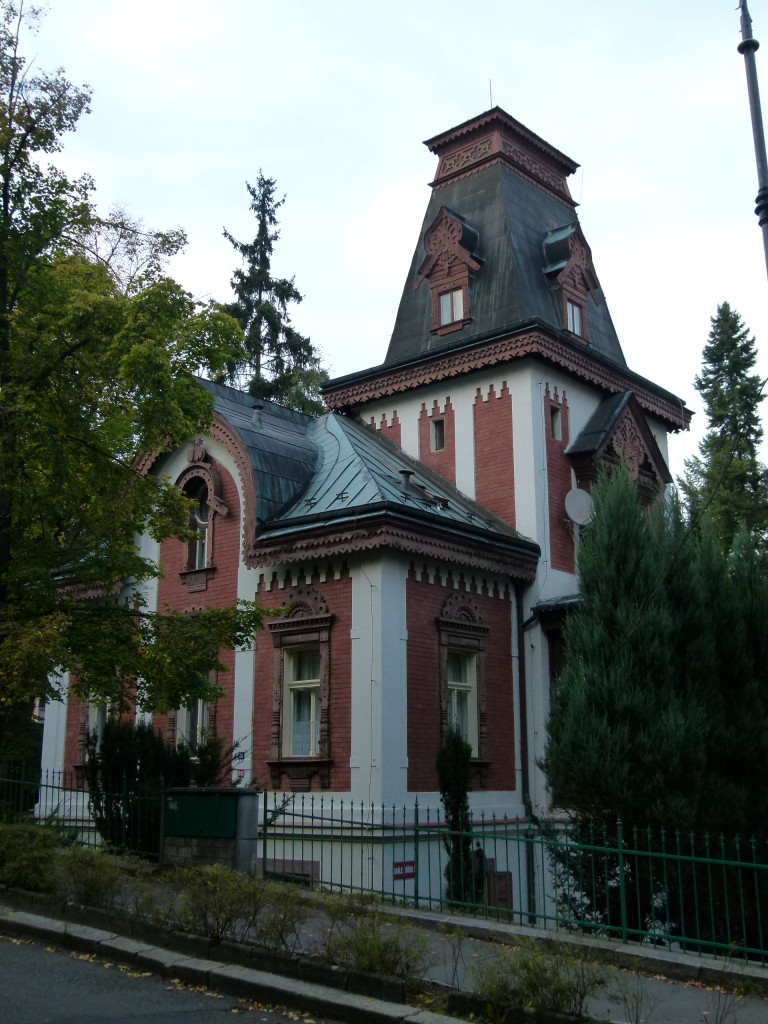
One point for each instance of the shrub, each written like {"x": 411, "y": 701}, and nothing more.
{"x": 560, "y": 981}
{"x": 284, "y": 915}
{"x": 454, "y": 758}
{"x": 92, "y": 877}
{"x": 219, "y": 903}
{"x": 362, "y": 938}
{"x": 28, "y": 857}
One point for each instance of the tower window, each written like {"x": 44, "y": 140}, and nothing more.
{"x": 438, "y": 435}
{"x": 573, "y": 311}
{"x": 555, "y": 421}
{"x": 451, "y": 306}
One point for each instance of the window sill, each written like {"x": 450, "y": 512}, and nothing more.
{"x": 300, "y": 771}
{"x": 450, "y": 328}
{"x": 196, "y": 580}
{"x": 479, "y": 772}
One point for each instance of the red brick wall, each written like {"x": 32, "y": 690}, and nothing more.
{"x": 424, "y": 602}
{"x": 338, "y": 596}
{"x": 74, "y": 734}
{"x": 561, "y": 550}
{"x": 442, "y": 462}
{"x": 494, "y": 463}
{"x": 221, "y": 591}
{"x": 391, "y": 430}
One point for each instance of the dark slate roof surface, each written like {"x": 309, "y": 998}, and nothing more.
{"x": 331, "y": 469}
{"x": 282, "y": 457}
{"x": 599, "y": 424}
{"x": 360, "y": 473}
{"x": 513, "y": 217}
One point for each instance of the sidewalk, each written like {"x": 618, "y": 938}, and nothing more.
{"x": 668, "y": 988}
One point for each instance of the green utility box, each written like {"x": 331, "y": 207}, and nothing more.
{"x": 201, "y": 812}
{"x": 210, "y": 826}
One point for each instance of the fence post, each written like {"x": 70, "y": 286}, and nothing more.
{"x": 416, "y": 853}
{"x": 622, "y": 885}
{"x": 21, "y": 790}
{"x": 124, "y": 815}
{"x": 264, "y": 837}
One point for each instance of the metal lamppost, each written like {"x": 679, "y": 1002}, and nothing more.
{"x": 747, "y": 47}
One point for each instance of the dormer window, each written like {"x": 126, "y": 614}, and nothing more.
{"x": 450, "y": 264}
{"x": 568, "y": 268}
{"x": 451, "y": 306}
{"x": 573, "y": 312}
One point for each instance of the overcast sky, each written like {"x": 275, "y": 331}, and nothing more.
{"x": 333, "y": 100}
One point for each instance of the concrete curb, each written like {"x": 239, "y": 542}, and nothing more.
{"x": 233, "y": 979}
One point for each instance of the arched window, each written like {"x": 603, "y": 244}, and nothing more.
{"x": 201, "y": 484}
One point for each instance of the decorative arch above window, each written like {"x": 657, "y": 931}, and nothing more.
{"x": 568, "y": 267}
{"x": 451, "y": 260}
{"x": 202, "y": 484}
{"x": 300, "y": 740}
{"x": 462, "y": 674}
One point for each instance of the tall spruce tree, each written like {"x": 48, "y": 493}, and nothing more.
{"x": 281, "y": 364}
{"x": 726, "y": 480}
{"x": 659, "y": 715}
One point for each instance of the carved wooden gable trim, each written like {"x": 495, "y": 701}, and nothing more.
{"x": 450, "y": 244}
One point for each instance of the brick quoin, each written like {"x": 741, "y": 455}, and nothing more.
{"x": 561, "y": 549}
{"x": 494, "y": 461}
{"x": 424, "y": 602}
{"x": 338, "y": 596}
{"x": 442, "y": 462}
{"x": 391, "y": 430}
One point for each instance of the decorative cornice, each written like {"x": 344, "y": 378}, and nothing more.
{"x": 520, "y": 564}
{"x": 491, "y": 353}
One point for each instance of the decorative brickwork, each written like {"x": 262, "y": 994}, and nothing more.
{"x": 319, "y": 614}
{"x": 425, "y": 609}
{"x": 574, "y": 359}
{"x": 494, "y": 462}
{"x": 442, "y": 460}
{"x": 391, "y": 430}
{"x": 561, "y": 547}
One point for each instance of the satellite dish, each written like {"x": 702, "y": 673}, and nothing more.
{"x": 579, "y": 506}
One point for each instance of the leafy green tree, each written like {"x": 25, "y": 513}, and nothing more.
{"x": 727, "y": 479}
{"x": 97, "y": 366}
{"x": 281, "y": 364}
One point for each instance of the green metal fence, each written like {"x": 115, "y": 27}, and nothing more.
{"x": 686, "y": 892}
{"x": 698, "y": 894}
{"x": 123, "y": 814}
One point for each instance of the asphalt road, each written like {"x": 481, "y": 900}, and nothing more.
{"x": 44, "y": 985}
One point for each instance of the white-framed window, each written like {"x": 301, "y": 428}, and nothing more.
{"x": 573, "y": 312}
{"x": 301, "y": 703}
{"x": 198, "y": 520}
{"x": 462, "y": 695}
{"x": 451, "y": 306}
{"x": 192, "y": 723}
{"x": 437, "y": 435}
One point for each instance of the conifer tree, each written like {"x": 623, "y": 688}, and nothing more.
{"x": 726, "y": 480}
{"x": 281, "y": 364}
